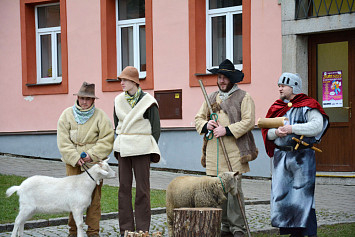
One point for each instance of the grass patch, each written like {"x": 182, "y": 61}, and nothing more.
{"x": 9, "y": 207}
{"x": 338, "y": 230}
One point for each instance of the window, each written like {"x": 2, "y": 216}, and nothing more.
{"x": 44, "y": 51}
{"x": 48, "y": 44}
{"x": 206, "y": 26}
{"x": 111, "y": 45}
{"x": 317, "y": 8}
{"x": 131, "y": 45}
{"x": 224, "y": 32}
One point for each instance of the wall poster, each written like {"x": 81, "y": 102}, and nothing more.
{"x": 332, "y": 89}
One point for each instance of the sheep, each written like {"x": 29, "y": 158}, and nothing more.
{"x": 43, "y": 194}
{"x": 190, "y": 191}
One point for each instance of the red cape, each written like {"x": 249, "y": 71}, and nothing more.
{"x": 279, "y": 108}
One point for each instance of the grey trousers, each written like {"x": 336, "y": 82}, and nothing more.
{"x": 232, "y": 218}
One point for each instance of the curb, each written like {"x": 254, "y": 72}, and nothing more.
{"x": 257, "y": 202}
{"x": 64, "y": 220}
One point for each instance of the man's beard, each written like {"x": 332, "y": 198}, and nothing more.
{"x": 282, "y": 97}
{"x": 228, "y": 88}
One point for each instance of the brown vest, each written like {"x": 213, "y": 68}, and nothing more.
{"x": 232, "y": 107}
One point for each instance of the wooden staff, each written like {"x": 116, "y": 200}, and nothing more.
{"x": 225, "y": 154}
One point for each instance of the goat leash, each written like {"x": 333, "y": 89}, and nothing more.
{"x": 82, "y": 155}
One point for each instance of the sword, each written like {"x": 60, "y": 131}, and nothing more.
{"x": 300, "y": 141}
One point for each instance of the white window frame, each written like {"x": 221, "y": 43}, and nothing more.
{"x": 228, "y": 12}
{"x": 53, "y": 31}
{"x": 135, "y": 23}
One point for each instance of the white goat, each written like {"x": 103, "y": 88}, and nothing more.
{"x": 43, "y": 194}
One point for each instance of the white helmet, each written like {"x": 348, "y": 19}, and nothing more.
{"x": 292, "y": 80}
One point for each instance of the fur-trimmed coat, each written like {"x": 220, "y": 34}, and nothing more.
{"x": 94, "y": 137}
{"x": 244, "y": 114}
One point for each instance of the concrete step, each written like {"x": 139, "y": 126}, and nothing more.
{"x": 336, "y": 178}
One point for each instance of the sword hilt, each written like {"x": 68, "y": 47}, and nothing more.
{"x": 299, "y": 142}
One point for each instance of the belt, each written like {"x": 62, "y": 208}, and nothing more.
{"x": 291, "y": 148}
{"x": 285, "y": 148}
{"x": 83, "y": 143}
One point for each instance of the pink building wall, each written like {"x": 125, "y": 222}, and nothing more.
{"x": 171, "y": 62}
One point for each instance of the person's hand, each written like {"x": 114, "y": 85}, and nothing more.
{"x": 84, "y": 160}
{"x": 212, "y": 125}
{"x": 286, "y": 129}
{"x": 87, "y": 158}
{"x": 219, "y": 131}
{"x": 80, "y": 162}
{"x": 283, "y": 131}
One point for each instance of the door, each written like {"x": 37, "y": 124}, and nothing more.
{"x": 331, "y": 78}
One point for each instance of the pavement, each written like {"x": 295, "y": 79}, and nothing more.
{"x": 335, "y": 201}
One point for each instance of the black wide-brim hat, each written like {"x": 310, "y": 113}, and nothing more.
{"x": 227, "y": 68}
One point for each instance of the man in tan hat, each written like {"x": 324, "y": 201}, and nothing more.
{"x": 137, "y": 125}
{"x": 84, "y": 128}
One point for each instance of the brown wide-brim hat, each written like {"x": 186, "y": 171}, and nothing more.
{"x": 87, "y": 90}
{"x": 129, "y": 73}
{"x": 227, "y": 68}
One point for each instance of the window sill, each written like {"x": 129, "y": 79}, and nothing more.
{"x": 44, "y": 84}
{"x": 203, "y": 74}
{"x": 116, "y": 80}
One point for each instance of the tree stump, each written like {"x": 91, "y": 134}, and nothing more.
{"x": 201, "y": 221}
{"x": 141, "y": 234}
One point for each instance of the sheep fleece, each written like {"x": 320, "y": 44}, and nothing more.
{"x": 190, "y": 191}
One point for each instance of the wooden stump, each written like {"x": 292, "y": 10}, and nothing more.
{"x": 201, "y": 221}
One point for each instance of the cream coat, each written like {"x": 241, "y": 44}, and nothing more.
{"x": 238, "y": 129}
{"x": 94, "y": 137}
{"x": 134, "y": 132}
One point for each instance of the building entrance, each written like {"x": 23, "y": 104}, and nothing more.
{"x": 331, "y": 78}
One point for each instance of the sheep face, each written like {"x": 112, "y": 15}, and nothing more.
{"x": 231, "y": 182}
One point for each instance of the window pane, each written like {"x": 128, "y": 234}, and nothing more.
{"x": 142, "y": 49}
{"x": 48, "y": 16}
{"x": 214, "y": 4}
{"x": 59, "y": 56}
{"x": 237, "y": 39}
{"x": 218, "y": 40}
{"x": 131, "y": 9}
{"x": 127, "y": 46}
{"x": 46, "y": 56}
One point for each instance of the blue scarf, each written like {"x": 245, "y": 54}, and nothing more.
{"x": 80, "y": 115}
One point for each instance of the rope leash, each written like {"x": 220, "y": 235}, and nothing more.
{"x": 83, "y": 155}
{"x": 209, "y": 136}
